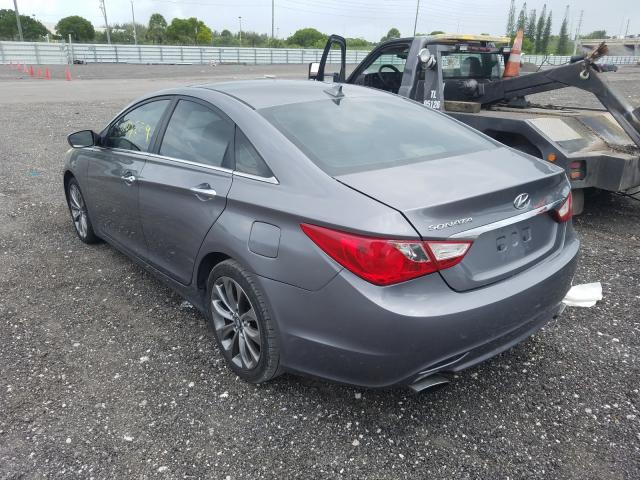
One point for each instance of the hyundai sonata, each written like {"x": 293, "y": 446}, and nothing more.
{"x": 330, "y": 230}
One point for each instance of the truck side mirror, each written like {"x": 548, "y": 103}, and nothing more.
{"x": 313, "y": 70}
{"x": 427, "y": 58}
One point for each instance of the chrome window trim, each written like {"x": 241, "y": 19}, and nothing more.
{"x": 189, "y": 162}
{"x": 99, "y": 148}
{"x": 477, "y": 231}
{"x": 272, "y": 180}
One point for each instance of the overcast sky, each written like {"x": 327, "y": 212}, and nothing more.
{"x": 354, "y": 18}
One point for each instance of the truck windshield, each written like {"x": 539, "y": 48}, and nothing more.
{"x": 463, "y": 65}
{"x": 371, "y": 132}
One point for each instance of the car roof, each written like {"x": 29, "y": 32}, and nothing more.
{"x": 265, "y": 93}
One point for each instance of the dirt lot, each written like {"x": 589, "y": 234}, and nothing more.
{"x": 104, "y": 375}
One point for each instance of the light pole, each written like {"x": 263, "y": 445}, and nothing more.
{"x": 240, "y": 20}
{"x": 15, "y": 6}
{"x": 133, "y": 18}
{"x": 415, "y": 23}
{"x": 272, "y": 17}
{"x": 106, "y": 23}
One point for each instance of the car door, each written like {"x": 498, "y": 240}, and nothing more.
{"x": 184, "y": 185}
{"x": 114, "y": 171}
{"x": 383, "y": 68}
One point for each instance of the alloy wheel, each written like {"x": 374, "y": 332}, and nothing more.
{"x": 236, "y": 323}
{"x": 78, "y": 210}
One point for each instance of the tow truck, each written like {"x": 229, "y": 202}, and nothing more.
{"x": 462, "y": 76}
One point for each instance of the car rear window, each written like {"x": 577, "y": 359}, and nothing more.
{"x": 366, "y": 133}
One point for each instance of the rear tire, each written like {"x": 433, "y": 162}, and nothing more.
{"x": 242, "y": 324}
{"x": 79, "y": 213}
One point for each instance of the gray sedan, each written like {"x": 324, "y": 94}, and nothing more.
{"x": 329, "y": 230}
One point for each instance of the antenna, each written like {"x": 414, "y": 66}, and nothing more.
{"x": 335, "y": 91}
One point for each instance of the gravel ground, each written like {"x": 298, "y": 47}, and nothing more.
{"x": 104, "y": 374}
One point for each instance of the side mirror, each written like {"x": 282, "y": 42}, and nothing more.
{"x": 82, "y": 139}
{"x": 313, "y": 70}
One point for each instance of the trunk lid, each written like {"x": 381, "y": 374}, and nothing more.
{"x": 446, "y": 197}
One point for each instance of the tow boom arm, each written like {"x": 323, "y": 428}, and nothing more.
{"x": 581, "y": 75}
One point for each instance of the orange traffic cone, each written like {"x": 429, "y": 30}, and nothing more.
{"x": 47, "y": 74}
{"x": 19, "y": 66}
{"x": 40, "y": 72}
{"x": 25, "y": 69}
{"x": 67, "y": 74}
{"x": 512, "y": 68}
{"x": 31, "y": 73}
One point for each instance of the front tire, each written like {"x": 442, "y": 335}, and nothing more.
{"x": 79, "y": 213}
{"x": 242, "y": 325}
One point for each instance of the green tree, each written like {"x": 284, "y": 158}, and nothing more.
{"x": 32, "y": 30}
{"x": 180, "y": 30}
{"x": 436, "y": 32}
{"x": 527, "y": 45}
{"x": 157, "y": 29}
{"x": 595, "y": 34}
{"x": 530, "y": 30}
{"x": 563, "y": 40}
{"x": 80, "y": 29}
{"x": 255, "y": 39}
{"x": 204, "y": 35}
{"x": 189, "y": 31}
{"x": 357, "y": 43}
{"x": 307, "y": 37}
{"x": 522, "y": 17}
{"x": 546, "y": 35}
{"x": 392, "y": 33}
{"x": 123, "y": 33}
{"x": 540, "y": 29}
{"x": 511, "y": 19}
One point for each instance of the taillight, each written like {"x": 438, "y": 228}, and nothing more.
{"x": 383, "y": 261}
{"x": 565, "y": 211}
{"x": 577, "y": 170}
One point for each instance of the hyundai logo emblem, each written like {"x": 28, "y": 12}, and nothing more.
{"x": 521, "y": 201}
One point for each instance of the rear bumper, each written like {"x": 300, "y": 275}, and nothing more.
{"x": 353, "y": 332}
{"x": 613, "y": 173}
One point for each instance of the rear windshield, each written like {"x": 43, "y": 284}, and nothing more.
{"x": 368, "y": 133}
{"x": 471, "y": 65}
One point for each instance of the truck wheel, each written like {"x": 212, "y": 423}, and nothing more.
{"x": 578, "y": 201}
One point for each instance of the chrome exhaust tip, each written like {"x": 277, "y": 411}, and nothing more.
{"x": 429, "y": 383}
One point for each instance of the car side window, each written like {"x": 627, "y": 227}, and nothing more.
{"x": 248, "y": 160}
{"x": 396, "y": 59}
{"x": 134, "y": 130}
{"x": 198, "y": 134}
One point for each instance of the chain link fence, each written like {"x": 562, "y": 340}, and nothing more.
{"x": 40, "y": 53}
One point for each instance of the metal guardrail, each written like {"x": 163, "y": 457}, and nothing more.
{"x": 61, "y": 53}
{"x": 41, "y": 53}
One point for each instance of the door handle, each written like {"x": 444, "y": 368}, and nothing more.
{"x": 129, "y": 178}
{"x": 204, "y": 190}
